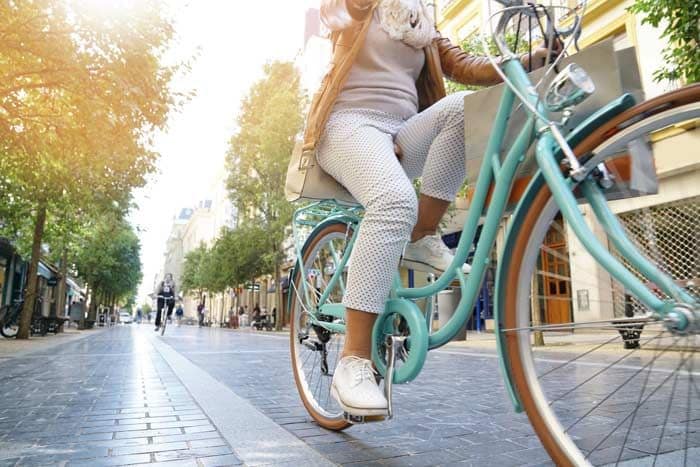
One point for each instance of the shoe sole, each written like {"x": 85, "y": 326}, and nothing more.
{"x": 354, "y": 410}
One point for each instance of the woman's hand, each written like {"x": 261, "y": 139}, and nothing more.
{"x": 539, "y": 56}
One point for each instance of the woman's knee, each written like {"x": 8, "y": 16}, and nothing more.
{"x": 397, "y": 204}
{"x": 453, "y": 107}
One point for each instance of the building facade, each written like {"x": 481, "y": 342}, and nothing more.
{"x": 570, "y": 284}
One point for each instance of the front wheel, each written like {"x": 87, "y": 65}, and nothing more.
{"x": 626, "y": 386}
{"x": 315, "y": 350}
{"x": 164, "y": 321}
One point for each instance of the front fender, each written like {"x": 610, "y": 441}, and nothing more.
{"x": 586, "y": 128}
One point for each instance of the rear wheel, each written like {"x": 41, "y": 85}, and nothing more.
{"x": 627, "y": 389}
{"x": 315, "y": 350}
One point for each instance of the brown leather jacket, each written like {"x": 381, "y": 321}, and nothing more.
{"x": 441, "y": 59}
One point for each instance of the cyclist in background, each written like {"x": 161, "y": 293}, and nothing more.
{"x": 165, "y": 289}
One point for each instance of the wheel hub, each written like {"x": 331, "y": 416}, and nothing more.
{"x": 683, "y": 319}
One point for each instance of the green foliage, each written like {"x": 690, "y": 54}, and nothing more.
{"x": 109, "y": 258}
{"x": 146, "y": 309}
{"x": 81, "y": 90}
{"x": 259, "y": 152}
{"x": 473, "y": 46}
{"x": 681, "y": 22}
{"x": 192, "y": 279}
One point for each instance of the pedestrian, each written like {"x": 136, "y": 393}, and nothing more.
{"x": 139, "y": 315}
{"x": 200, "y": 314}
{"x": 381, "y": 120}
{"x": 165, "y": 292}
{"x": 179, "y": 313}
{"x": 255, "y": 319}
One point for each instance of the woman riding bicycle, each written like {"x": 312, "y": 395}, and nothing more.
{"x": 165, "y": 291}
{"x": 381, "y": 119}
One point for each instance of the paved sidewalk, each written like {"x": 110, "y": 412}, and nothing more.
{"x": 109, "y": 399}
{"x": 10, "y": 348}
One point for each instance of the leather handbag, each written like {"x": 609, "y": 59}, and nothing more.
{"x": 307, "y": 180}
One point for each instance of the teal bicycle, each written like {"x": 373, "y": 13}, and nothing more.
{"x": 642, "y": 402}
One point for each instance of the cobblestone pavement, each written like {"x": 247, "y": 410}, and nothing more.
{"x": 107, "y": 399}
{"x": 113, "y": 399}
{"x": 456, "y": 411}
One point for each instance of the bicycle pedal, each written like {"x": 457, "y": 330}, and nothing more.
{"x": 359, "y": 419}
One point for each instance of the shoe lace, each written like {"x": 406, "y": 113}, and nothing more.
{"x": 362, "y": 370}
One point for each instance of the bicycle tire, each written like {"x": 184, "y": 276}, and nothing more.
{"x": 558, "y": 424}
{"x": 164, "y": 321}
{"x": 327, "y": 414}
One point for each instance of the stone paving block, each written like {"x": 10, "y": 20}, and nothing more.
{"x": 187, "y": 437}
{"x": 114, "y": 428}
{"x": 181, "y": 424}
{"x": 142, "y": 433}
{"x": 206, "y": 443}
{"x": 193, "y": 453}
{"x": 95, "y": 437}
{"x": 175, "y": 463}
{"x": 220, "y": 461}
{"x": 146, "y": 448}
{"x": 118, "y": 460}
{"x": 425, "y": 459}
{"x": 199, "y": 429}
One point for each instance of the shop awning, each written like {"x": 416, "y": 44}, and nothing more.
{"x": 46, "y": 271}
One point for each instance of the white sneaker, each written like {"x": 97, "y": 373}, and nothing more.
{"x": 430, "y": 254}
{"x": 355, "y": 388}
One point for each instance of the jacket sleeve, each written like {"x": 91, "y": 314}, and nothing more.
{"x": 339, "y": 14}
{"x": 464, "y": 68}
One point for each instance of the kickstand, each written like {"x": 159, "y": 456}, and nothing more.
{"x": 393, "y": 345}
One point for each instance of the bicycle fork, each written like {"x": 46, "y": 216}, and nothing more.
{"x": 680, "y": 314}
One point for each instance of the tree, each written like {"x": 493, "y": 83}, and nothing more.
{"x": 681, "y": 22}
{"x": 236, "y": 256}
{"x": 109, "y": 260}
{"x": 192, "y": 279}
{"x": 80, "y": 92}
{"x": 258, "y": 156}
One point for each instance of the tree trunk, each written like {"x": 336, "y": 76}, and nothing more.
{"x": 62, "y": 285}
{"x": 30, "y": 295}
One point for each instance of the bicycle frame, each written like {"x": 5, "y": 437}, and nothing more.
{"x": 499, "y": 172}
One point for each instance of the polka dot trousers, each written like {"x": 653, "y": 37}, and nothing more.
{"x": 357, "y": 149}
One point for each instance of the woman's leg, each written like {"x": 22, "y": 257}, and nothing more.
{"x": 159, "y": 306}
{"x": 432, "y": 144}
{"x": 357, "y": 150}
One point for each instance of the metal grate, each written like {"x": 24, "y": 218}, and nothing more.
{"x": 669, "y": 234}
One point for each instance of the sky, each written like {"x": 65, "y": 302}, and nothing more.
{"x": 231, "y": 40}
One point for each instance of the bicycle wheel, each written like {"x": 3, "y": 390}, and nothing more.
{"x": 315, "y": 351}
{"x": 9, "y": 327}
{"x": 164, "y": 320}
{"x": 625, "y": 389}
